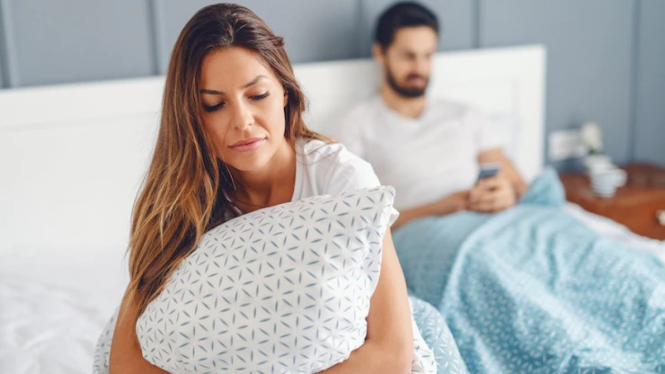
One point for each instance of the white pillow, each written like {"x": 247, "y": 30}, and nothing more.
{"x": 281, "y": 289}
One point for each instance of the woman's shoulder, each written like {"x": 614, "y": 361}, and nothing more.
{"x": 315, "y": 151}
{"x": 335, "y": 168}
{"x": 316, "y": 148}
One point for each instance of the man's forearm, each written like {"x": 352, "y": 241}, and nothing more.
{"x": 408, "y": 215}
{"x": 449, "y": 204}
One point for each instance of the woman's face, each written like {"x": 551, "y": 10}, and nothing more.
{"x": 243, "y": 107}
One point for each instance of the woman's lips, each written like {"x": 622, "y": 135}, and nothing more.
{"x": 247, "y": 144}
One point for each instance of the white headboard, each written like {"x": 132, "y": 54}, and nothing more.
{"x": 72, "y": 157}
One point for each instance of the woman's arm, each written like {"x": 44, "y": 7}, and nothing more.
{"x": 388, "y": 347}
{"x": 126, "y": 356}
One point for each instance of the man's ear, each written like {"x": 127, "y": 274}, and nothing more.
{"x": 377, "y": 53}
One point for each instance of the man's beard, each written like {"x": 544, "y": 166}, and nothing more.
{"x": 410, "y": 92}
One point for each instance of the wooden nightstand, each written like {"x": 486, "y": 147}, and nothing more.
{"x": 635, "y": 205}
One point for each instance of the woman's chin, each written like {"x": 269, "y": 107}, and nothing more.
{"x": 248, "y": 164}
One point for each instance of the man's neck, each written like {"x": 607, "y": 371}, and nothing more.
{"x": 407, "y": 107}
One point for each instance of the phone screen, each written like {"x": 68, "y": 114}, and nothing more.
{"x": 488, "y": 170}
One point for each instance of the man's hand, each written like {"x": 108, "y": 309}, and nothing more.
{"x": 492, "y": 195}
{"x": 452, "y": 203}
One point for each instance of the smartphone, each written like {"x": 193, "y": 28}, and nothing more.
{"x": 488, "y": 170}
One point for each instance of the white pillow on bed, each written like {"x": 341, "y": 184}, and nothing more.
{"x": 281, "y": 289}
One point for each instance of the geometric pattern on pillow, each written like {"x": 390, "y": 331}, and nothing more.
{"x": 282, "y": 289}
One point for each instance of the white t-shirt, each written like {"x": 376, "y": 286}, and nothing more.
{"x": 426, "y": 158}
{"x": 329, "y": 169}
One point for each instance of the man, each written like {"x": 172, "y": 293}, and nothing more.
{"x": 428, "y": 149}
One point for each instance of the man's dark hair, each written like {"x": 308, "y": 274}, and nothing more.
{"x": 400, "y": 15}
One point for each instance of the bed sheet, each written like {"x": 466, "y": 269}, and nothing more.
{"x": 52, "y": 309}
{"x": 617, "y": 231}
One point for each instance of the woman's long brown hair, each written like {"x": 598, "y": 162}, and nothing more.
{"x": 184, "y": 192}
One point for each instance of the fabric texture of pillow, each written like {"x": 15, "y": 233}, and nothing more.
{"x": 281, "y": 289}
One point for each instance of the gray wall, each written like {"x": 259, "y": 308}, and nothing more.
{"x": 649, "y": 104}
{"x": 589, "y": 58}
{"x": 605, "y": 57}
{"x": 60, "y": 41}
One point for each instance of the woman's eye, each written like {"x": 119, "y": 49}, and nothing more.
{"x": 260, "y": 97}
{"x": 212, "y": 108}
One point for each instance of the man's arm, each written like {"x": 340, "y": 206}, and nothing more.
{"x": 388, "y": 347}
{"x": 490, "y": 195}
{"x": 452, "y": 203}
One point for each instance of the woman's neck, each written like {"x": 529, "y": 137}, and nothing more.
{"x": 271, "y": 185}
{"x": 407, "y": 107}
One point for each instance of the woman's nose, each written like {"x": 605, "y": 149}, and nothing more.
{"x": 242, "y": 116}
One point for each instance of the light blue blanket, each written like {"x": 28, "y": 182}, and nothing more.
{"x": 438, "y": 337}
{"x": 533, "y": 290}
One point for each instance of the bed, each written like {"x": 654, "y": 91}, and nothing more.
{"x": 72, "y": 158}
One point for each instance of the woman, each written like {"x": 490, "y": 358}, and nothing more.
{"x": 231, "y": 141}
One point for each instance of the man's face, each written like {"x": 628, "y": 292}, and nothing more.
{"x": 407, "y": 62}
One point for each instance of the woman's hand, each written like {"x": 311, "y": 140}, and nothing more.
{"x": 492, "y": 195}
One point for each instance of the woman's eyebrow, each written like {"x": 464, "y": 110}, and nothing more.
{"x": 250, "y": 83}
